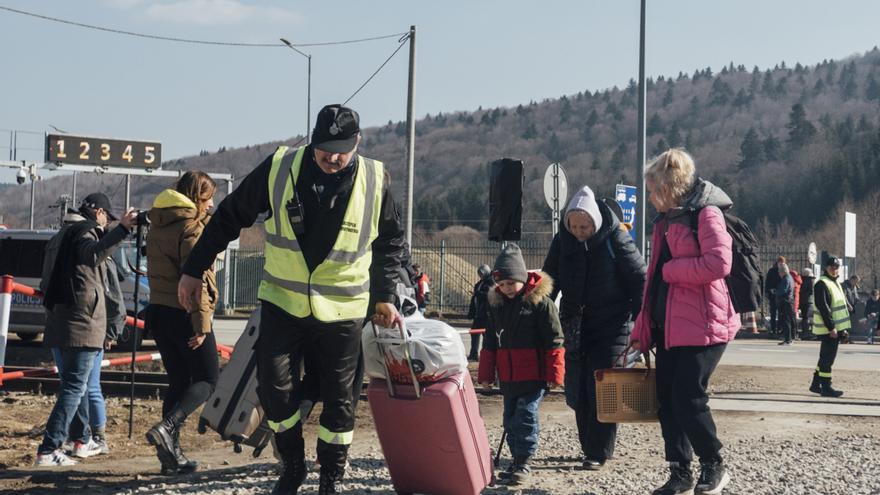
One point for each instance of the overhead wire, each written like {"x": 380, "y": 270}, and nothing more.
{"x": 187, "y": 40}
{"x": 401, "y": 42}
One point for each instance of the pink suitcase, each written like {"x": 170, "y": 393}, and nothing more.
{"x": 434, "y": 440}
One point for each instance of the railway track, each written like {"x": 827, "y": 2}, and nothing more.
{"x": 113, "y": 383}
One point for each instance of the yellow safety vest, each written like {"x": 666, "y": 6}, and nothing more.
{"x": 839, "y": 313}
{"x": 339, "y": 288}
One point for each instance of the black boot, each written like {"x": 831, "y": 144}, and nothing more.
{"x": 162, "y": 435}
{"x": 184, "y": 465}
{"x": 291, "y": 447}
{"x": 680, "y": 482}
{"x": 827, "y": 390}
{"x": 814, "y": 387}
{"x": 333, "y": 459}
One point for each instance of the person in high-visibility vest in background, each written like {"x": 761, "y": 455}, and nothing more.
{"x": 831, "y": 324}
{"x": 333, "y": 237}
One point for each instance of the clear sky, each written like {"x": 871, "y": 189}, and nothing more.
{"x": 470, "y": 53}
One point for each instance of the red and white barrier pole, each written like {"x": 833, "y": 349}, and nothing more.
{"x": 53, "y": 370}
{"x": 473, "y": 331}
{"x": 5, "y": 311}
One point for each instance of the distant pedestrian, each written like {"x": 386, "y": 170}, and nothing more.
{"x": 771, "y": 280}
{"x": 785, "y": 304}
{"x": 687, "y": 314}
{"x": 872, "y": 312}
{"x": 423, "y": 288}
{"x": 798, "y": 282}
{"x": 478, "y": 312}
{"x": 805, "y": 301}
{"x": 831, "y": 324}
{"x": 851, "y": 289}
{"x": 524, "y": 347}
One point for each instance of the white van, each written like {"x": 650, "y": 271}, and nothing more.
{"x": 21, "y": 255}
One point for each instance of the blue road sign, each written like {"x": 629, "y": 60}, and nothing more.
{"x": 627, "y": 198}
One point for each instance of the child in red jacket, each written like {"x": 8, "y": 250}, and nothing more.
{"x": 524, "y": 345}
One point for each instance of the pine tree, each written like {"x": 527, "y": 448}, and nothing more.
{"x": 668, "y": 97}
{"x": 674, "y": 135}
{"x": 720, "y": 93}
{"x": 751, "y": 150}
{"x": 662, "y": 146}
{"x": 655, "y": 125}
{"x": 619, "y": 156}
{"x": 800, "y": 129}
{"x": 872, "y": 89}
{"x": 772, "y": 149}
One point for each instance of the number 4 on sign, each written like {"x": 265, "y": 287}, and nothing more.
{"x": 126, "y": 155}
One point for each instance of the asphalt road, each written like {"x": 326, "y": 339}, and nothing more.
{"x": 856, "y": 356}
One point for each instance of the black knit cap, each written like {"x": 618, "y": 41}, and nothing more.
{"x": 510, "y": 265}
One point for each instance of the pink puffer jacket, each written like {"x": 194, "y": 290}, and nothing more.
{"x": 698, "y": 307}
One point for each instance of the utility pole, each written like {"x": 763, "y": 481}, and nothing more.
{"x": 308, "y": 91}
{"x": 410, "y": 134}
{"x": 640, "y": 166}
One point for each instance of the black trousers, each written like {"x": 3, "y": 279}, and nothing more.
{"x": 771, "y": 302}
{"x": 806, "y": 321}
{"x": 787, "y": 320}
{"x": 192, "y": 373}
{"x": 827, "y": 355}
{"x": 685, "y": 419}
{"x": 597, "y": 439}
{"x": 334, "y": 348}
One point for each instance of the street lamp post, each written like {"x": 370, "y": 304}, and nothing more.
{"x": 309, "y": 90}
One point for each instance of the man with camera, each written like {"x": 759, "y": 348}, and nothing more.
{"x": 333, "y": 237}
{"x": 74, "y": 286}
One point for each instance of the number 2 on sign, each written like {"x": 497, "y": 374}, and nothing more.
{"x": 85, "y": 150}
{"x": 126, "y": 155}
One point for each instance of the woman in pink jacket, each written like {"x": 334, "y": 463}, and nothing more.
{"x": 687, "y": 315}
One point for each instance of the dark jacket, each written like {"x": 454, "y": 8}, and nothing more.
{"x": 323, "y": 220}
{"x": 603, "y": 281}
{"x": 823, "y": 303}
{"x": 872, "y": 306}
{"x": 771, "y": 281}
{"x": 785, "y": 289}
{"x": 806, "y": 293}
{"x": 523, "y": 341}
{"x": 175, "y": 228}
{"x": 82, "y": 322}
{"x": 851, "y": 291}
{"x": 479, "y": 308}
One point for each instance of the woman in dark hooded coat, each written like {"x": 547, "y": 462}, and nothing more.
{"x": 601, "y": 275}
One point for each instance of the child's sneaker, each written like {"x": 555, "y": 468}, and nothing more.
{"x": 713, "y": 478}
{"x": 505, "y": 475}
{"x": 55, "y": 458}
{"x": 88, "y": 449}
{"x": 521, "y": 473}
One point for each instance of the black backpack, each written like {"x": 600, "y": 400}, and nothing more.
{"x": 745, "y": 279}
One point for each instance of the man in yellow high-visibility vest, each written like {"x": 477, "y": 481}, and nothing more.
{"x": 333, "y": 239}
{"x": 831, "y": 324}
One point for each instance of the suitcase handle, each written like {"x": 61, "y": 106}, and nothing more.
{"x": 621, "y": 358}
{"x": 404, "y": 341}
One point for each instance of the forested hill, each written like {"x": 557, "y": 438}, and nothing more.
{"x": 789, "y": 143}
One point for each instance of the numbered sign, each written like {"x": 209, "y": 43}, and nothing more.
{"x": 81, "y": 150}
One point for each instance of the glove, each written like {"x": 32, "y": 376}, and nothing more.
{"x": 843, "y": 337}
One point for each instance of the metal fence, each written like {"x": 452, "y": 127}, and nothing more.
{"x": 451, "y": 265}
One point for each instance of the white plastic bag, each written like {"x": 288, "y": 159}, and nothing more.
{"x": 435, "y": 348}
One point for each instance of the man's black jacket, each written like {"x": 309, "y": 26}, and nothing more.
{"x": 324, "y": 198}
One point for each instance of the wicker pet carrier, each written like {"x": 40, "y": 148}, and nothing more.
{"x": 627, "y": 395}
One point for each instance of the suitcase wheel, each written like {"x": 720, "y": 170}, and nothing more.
{"x": 257, "y": 452}
{"x": 237, "y": 448}
{"x": 203, "y": 426}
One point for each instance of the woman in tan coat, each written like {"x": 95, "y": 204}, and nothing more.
{"x": 185, "y": 341}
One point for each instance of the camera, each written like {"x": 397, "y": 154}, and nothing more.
{"x": 21, "y": 176}
{"x": 142, "y": 219}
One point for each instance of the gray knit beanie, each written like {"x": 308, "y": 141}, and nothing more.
{"x": 510, "y": 265}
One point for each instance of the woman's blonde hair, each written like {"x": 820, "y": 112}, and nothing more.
{"x": 673, "y": 174}
{"x": 198, "y": 186}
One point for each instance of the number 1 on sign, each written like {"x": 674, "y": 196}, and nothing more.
{"x": 126, "y": 155}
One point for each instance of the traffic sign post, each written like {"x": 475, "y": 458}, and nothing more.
{"x": 627, "y": 198}
{"x": 555, "y": 192}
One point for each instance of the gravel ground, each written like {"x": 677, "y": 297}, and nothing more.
{"x": 768, "y": 453}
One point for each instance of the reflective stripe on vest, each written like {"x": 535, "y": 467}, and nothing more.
{"x": 335, "y": 437}
{"x": 339, "y": 288}
{"x": 839, "y": 313}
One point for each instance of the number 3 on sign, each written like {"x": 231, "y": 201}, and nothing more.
{"x": 126, "y": 155}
